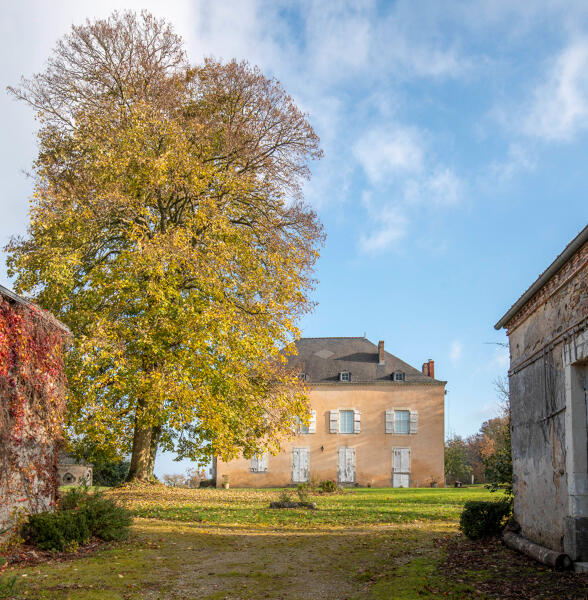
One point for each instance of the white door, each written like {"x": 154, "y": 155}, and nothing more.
{"x": 346, "y": 465}
{"x": 300, "y": 465}
{"x": 401, "y": 467}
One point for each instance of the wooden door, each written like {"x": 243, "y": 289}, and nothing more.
{"x": 401, "y": 467}
{"x": 300, "y": 465}
{"x": 346, "y": 465}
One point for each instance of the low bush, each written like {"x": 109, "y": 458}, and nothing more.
{"x": 110, "y": 473}
{"x": 328, "y": 486}
{"x": 107, "y": 520}
{"x": 484, "y": 518}
{"x": 285, "y": 496}
{"x": 208, "y": 483}
{"x": 57, "y": 531}
{"x": 303, "y": 490}
{"x": 80, "y": 514}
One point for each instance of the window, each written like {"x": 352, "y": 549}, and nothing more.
{"x": 401, "y": 421}
{"x": 345, "y": 376}
{"x": 259, "y": 463}
{"x": 346, "y": 421}
{"x": 398, "y": 376}
{"x": 302, "y": 376}
{"x": 300, "y": 426}
{"x": 302, "y": 429}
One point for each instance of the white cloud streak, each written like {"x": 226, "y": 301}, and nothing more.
{"x": 456, "y": 351}
{"x": 559, "y": 107}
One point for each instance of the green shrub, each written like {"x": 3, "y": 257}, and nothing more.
{"x": 80, "y": 515}
{"x": 110, "y": 473}
{"x": 285, "y": 495}
{"x": 483, "y": 518}
{"x": 74, "y": 498}
{"x": 107, "y": 520}
{"x": 56, "y": 531}
{"x": 303, "y": 489}
{"x": 327, "y": 486}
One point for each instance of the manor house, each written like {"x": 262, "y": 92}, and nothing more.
{"x": 375, "y": 421}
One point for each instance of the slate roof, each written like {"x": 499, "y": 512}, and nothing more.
{"x": 322, "y": 359}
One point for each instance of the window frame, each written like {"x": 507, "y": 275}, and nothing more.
{"x": 345, "y": 376}
{"x": 349, "y": 413}
{"x": 404, "y": 421}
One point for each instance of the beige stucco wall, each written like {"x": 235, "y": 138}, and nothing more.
{"x": 373, "y": 446}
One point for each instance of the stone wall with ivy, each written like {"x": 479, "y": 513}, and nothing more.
{"x": 32, "y": 403}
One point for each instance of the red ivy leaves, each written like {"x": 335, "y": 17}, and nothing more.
{"x": 32, "y": 386}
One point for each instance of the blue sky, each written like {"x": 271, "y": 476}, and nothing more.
{"x": 456, "y": 142}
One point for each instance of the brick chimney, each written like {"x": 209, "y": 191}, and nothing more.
{"x": 381, "y": 360}
{"x": 429, "y": 368}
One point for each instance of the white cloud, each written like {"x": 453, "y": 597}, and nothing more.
{"x": 384, "y": 152}
{"x": 404, "y": 178}
{"x": 518, "y": 159}
{"x": 559, "y": 107}
{"x": 455, "y": 352}
{"x": 501, "y": 359}
{"x": 391, "y": 225}
{"x": 442, "y": 187}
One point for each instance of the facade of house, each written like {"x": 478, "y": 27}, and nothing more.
{"x": 375, "y": 421}
{"x": 32, "y": 403}
{"x": 548, "y": 337}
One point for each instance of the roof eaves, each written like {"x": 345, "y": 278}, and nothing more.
{"x": 24, "y": 302}
{"x": 553, "y": 268}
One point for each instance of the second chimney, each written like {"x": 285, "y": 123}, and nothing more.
{"x": 381, "y": 360}
{"x": 429, "y": 368}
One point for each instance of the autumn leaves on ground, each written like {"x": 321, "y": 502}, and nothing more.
{"x": 227, "y": 544}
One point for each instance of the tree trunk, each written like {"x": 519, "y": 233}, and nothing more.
{"x": 155, "y": 435}
{"x": 141, "y": 468}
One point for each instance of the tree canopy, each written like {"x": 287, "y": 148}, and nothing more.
{"x": 169, "y": 231}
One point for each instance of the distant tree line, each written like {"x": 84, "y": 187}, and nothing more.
{"x": 484, "y": 457}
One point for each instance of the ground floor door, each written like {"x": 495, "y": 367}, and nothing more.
{"x": 401, "y": 467}
{"x": 346, "y": 470}
{"x": 300, "y": 465}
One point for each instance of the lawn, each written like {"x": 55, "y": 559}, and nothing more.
{"x": 359, "y": 544}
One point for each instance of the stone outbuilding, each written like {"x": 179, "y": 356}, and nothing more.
{"x": 72, "y": 471}
{"x": 547, "y": 329}
{"x": 32, "y": 403}
{"x": 375, "y": 421}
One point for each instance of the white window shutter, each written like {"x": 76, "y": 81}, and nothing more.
{"x": 356, "y": 421}
{"x": 397, "y": 460}
{"x": 389, "y": 421}
{"x": 334, "y": 421}
{"x": 350, "y": 465}
{"x": 262, "y": 461}
{"x": 405, "y": 460}
{"x": 254, "y": 464}
{"x": 341, "y": 465}
{"x": 312, "y": 424}
{"x": 414, "y": 421}
{"x": 305, "y": 464}
{"x": 295, "y": 464}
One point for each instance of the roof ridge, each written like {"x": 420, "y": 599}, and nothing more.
{"x": 343, "y": 337}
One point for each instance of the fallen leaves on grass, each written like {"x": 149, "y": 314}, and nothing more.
{"x": 495, "y": 571}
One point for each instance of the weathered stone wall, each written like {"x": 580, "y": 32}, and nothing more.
{"x": 373, "y": 446}
{"x": 32, "y": 402}
{"x": 540, "y": 335}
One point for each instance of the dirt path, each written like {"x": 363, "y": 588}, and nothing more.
{"x": 170, "y": 560}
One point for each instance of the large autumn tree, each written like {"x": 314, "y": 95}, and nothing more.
{"x": 168, "y": 230}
